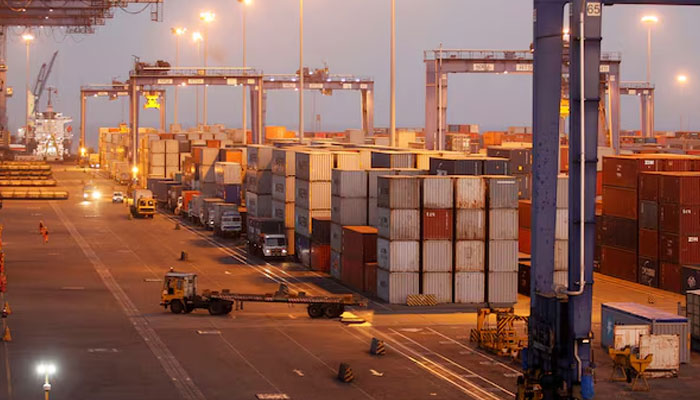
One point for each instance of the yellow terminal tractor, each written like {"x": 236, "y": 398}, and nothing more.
{"x": 142, "y": 204}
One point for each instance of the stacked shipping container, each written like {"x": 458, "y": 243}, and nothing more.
{"x": 259, "y": 181}
{"x": 502, "y": 234}
{"x": 436, "y": 237}
{"x": 283, "y": 176}
{"x": 312, "y": 198}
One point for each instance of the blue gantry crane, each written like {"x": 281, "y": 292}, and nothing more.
{"x": 558, "y": 362}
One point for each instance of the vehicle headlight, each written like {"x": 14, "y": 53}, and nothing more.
{"x": 85, "y": 195}
{"x": 284, "y": 251}
{"x": 96, "y": 195}
{"x": 267, "y": 252}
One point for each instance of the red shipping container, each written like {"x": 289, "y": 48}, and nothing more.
{"x": 525, "y": 213}
{"x": 353, "y": 273}
{"x": 623, "y": 171}
{"x": 524, "y": 241}
{"x": 371, "y": 278}
{"x": 649, "y": 186}
{"x": 599, "y": 183}
{"x": 320, "y": 257}
{"x": 619, "y": 263}
{"x": 620, "y": 202}
{"x": 649, "y": 243}
{"x": 437, "y": 224}
{"x": 679, "y": 249}
{"x": 675, "y": 218}
{"x": 676, "y": 164}
{"x": 648, "y": 273}
{"x": 670, "y": 277}
{"x": 361, "y": 241}
{"x": 214, "y": 144}
{"x": 680, "y": 188}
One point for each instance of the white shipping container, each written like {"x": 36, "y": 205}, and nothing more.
{"x": 470, "y": 192}
{"x": 313, "y": 195}
{"x": 283, "y": 188}
{"x": 156, "y": 146}
{"x": 349, "y": 183}
{"x": 439, "y": 284}
{"x": 172, "y": 146}
{"x": 470, "y": 224}
{"x": 172, "y": 160}
{"x": 156, "y": 159}
{"x": 365, "y": 159}
{"x": 628, "y": 335}
{"x": 394, "y": 287}
{"x": 303, "y": 217}
{"x": 283, "y": 162}
{"x": 665, "y": 350}
{"x": 372, "y": 176}
{"x": 283, "y": 211}
{"x": 561, "y": 278}
{"x": 561, "y": 230}
{"x": 398, "y": 224}
{"x": 503, "y": 224}
{"x": 259, "y": 181}
{"x": 503, "y": 256}
{"x": 469, "y": 255}
{"x": 563, "y": 189}
{"x": 260, "y": 156}
{"x": 469, "y": 287}
{"x": 437, "y": 191}
{"x": 314, "y": 165}
{"x": 372, "y": 212}
{"x": 561, "y": 255}
{"x": 437, "y": 255}
{"x": 398, "y": 192}
{"x": 349, "y": 211}
{"x": 503, "y": 288}
{"x": 259, "y": 205}
{"x": 347, "y": 160}
{"x": 337, "y": 237}
{"x": 398, "y": 255}
{"x": 228, "y": 173}
{"x": 156, "y": 171}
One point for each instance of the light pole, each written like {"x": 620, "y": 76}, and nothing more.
{"x": 207, "y": 17}
{"x": 649, "y": 20}
{"x": 28, "y": 38}
{"x": 46, "y": 370}
{"x": 177, "y": 32}
{"x": 682, "y": 80}
{"x": 392, "y": 101}
{"x": 301, "y": 70}
{"x": 244, "y": 4}
{"x": 197, "y": 39}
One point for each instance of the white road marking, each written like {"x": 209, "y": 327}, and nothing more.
{"x": 208, "y": 332}
{"x": 299, "y": 372}
{"x": 152, "y": 280}
{"x": 73, "y": 288}
{"x": 475, "y": 351}
{"x": 103, "y": 350}
{"x": 376, "y": 373}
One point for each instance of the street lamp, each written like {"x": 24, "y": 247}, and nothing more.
{"x": 207, "y": 17}
{"x": 28, "y": 38}
{"x": 682, "y": 80}
{"x": 177, "y": 31}
{"x": 46, "y": 370}
{"x": 301, "y": 70}
{"x": 649, "y": 20}
{"x": 197, "y": 39}
{"x": 392, "y": 105}
{"x": 244, "y": 3}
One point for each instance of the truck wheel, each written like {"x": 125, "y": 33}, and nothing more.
{"x": 315, "y": 310}
{"x": 216, "y": 307}
{"x": 333, "y": 310}
{"x": 189, "y": 308}
{"x": 176, "y": 307}
{"x": 228, "y": 308}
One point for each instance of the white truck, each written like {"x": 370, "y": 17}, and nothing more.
{"x": 206, "y": 214}
{"x": 227, "y": 220}
{"x": 266, "y": 237}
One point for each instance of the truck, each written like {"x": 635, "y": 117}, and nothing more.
{"x": 227, "y": 220}
{"x": 184, "y": 204}
{"x": 266, "y": 237}
{"x": 174, "y": 193}
{"x": 142, "y": 204}
{"x": 91, "y": 192}
{"x": 179, "y": 293}
{"x": 94, "y": 160}
{"x": 160, "y": 190}
{"x": 206, "y": 214}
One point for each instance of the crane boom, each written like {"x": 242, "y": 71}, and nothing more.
{"x": 41, "y": 80}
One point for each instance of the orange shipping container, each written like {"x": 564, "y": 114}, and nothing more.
{"x": 275, "y": 132}
{"x": 231, "y": 155}
{"x": 564, "y": 158}
{"x": 493, "y": 138}
{"x": 214, "y": 144}
{"x": 524, "y": 241}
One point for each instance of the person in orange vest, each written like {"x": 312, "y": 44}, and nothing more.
{"x": 41, "y": 227}
{"x": 46, "y": 235}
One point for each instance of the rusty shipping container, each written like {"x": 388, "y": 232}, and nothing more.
{"x": 619, "y": 232}
{"x": 679, "y": 248}
{"x": 470, "y": 224}
{"x": 437, "y": 224}
{"x": 679, "y": 219}
{"x": 648, "y": 273}
{"x": 503, "y": 224}
{"x": 362, "y": 242}
{"x": 670, "y": 277}
{"x": 502, "y": 192}
{"x": 437, "y": 192}
{"x": 648, "y": 215}
{"x": 470, "y": 255}
{"x": 470, "y": 192}
{"x": 619, "y": 263}
{"x": 398, "y": 192}
{"x": 680, "y": 188}
{"x": 620, "y": 202}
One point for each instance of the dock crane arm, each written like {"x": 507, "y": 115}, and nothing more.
{"x": 41, "y": 80}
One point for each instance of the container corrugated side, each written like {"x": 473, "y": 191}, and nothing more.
{"x": 259, "y": 181}
{"x": 398, "y": 224}
{"x": 398, "y": 192}
{"x": 398, "y": 255}
{"x": 337, "y": 237}
{"x": 502, "y": 192}
{"x": 283, "y": 188}
{"x": 469, "y": 255}
{"x": 469, "y": 287}
{"x": 372, "y": 218}
{"x": 302, "y": 219}
{"x": 561, "y": 229}
{"x": 503, "y": 256}
{"x": 665, "y": 350}
{"x": 470, "y": 192}
{"x": 439, "y": 284}
{"x": 349, "y": 211}
{"x": 394, "y": 287}
{"x": 470, "y": 224}
{"x": 682, "y": 329}
{"x": 349, "y": 183}
{"x": 314, "y": 165}
{"x": 561, "y": 255}
{"x": 283, "y": 211}
{"x": 563, "y": 191}
{"x": 437, "y": 255}
{"x": 259, "y": 156}
{"x": 503, "y": 288}
{"x": 313, "y": 195}
{"x": 347, "y": 160}
{"x": 437, "y": 192}
{"x": 503, "y": 224}
{"x": 259, "y": 205}
{"x": 283, "y": 162}
{"x": 372, "y": 177}
{"x": 336, "y": 264}
{"x": 561, "y": 278}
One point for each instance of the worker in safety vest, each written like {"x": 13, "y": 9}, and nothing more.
{"x": 46, "y": 235}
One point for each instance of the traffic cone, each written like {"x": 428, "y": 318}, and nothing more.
{"x": 345, "y": 373}
{"x": 7, "y": 308}
{"x": 177, "y": 226}
{"x": 377, "y": 347}
{"x": 7, "y": 337}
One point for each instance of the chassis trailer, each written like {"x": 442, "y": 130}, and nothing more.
{"x": 179, "y": 293}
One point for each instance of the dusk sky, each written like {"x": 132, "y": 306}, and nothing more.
{"x": 352, "y": 37}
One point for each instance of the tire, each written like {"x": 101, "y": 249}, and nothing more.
{"x": 228, "y": 308}
{"x": 333, "y": 310}
{"x": 176, "y": 307}
{"x": 216, "y": 307}
{"x": 189, "y": 308}
{"x": 315, "y": 310}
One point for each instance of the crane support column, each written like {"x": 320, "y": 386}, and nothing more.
{"x": 3, "y": 79}
{"x": 83, "y": 110}
{"x": 367, "y": 112}
{"x": 615, "y": 107}
{"x": 162, "y": 111}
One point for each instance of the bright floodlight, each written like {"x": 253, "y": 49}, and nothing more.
{"x": 246, "y": 2}
{"x": 207, "y": 16}
{"x": 46, "y": 369}
{"x": 135, "y": 169}
{"x": 179, "y": 31}
{"x": 682, "y": 79}
{"x": 650, "y": 19}
{"x": 27, "y": 37}
{"x": 196, "y": 36}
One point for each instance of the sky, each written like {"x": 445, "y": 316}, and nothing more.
{"x": 352, "y": 37}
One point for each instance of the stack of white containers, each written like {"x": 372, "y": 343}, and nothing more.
{"x": 561, "y": 233}
{"x": 348, "y": 207}
{"x": 205, "y": 158}
{"x": 312, "y": 194}
{"x": 436, "y": 235}
{"x": 470, "y": 235}
{"x": 372, "y": 176}
{"x": 259, "y": 181}
{"x": 156, "y": 158}
{"x": 172, "y": 157}
{"x": 502, "y": 250}
{"x": 398, "y": 226}
{"x": 283, "y": 175}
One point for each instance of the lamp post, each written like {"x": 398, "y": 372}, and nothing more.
{"x": 197, "y": 39}
{"x": 682, "y": 80}
{"x": 301, "y": 70}
{"x": 28, "y": 38}
{"x": 47, "y": 370}
{"x": 207, "y": 17}
{"x": 244, "y": 4}
{"x": 392, "y": 105}
{"x": 649, "y": 21}
{"x": 177, "y": 32}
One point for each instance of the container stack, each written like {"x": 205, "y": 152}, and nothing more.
{"x": 259, "y": 181}
{"x": 204, "y": 159}
{"x": 470, "y": 236}
{"x": 283, "y": 175}
{"x": 519, "y": 166}
{"x": 229, "y": 181}
{"x": 648, "y": 235}
{"x": 359, "y": 258}
{"x": 398, "y": 244}
{"x": 437, "y": 195}
{"x": 348, "y": 207}
{"x": 320, "y": 244}
{"x": 502, "y": 233}
{"x": 372, "y": 176}
{"x": 312, "y": 198}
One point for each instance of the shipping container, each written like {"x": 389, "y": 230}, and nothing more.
{"x": 503, "y": 255}
{"x": 502, "y": 288}
{"x": 438, "y": 284}
{"x": 259, "y": 205}
{"x": 495, "y": 166}
{"x": 619, "y": 232}
{"x": 353, "y": 273}
{"x": 503, "y": 224}
{"x": 456, "y": 166}
{"x": 524, "y": 183}
{"x": 525, "y": 213}
{"x": 303, "y": 217}
{"x": 679, "y": 248}
{"x": 314, "y": 195}
{"x": 670, "y": 277}
{"x": 372, "y": 176}
{"x": 470, "y": 192}
{"x": 284, "y": 212}
{"x": 398, "y": 192}
{"x": 470, "y": 224}
{"x": 398, "y": 255}
{"x": 623, "y": 171}
{"x": 283, "y": 163}
{"x": 665, "y": 350}
{"x": 649, "y": 214}
{"x": 519, "y": 159}
{"x": 502, "y": 192}
{"x": 320, "y": 257}
{"x": 259, "y": 157}
{"x": 679, "y": 219}
{"x": 437, "y": 192}
{"x": 372, "y": 217}
{"x": 303, "y": 250}
{"x": 349, "y": 184}
{"x": 227, "y": 173}
{"x": 469, "y": 288}
{"x": 336, "y": 237}
{"x": 648, "y": 273}
{"x": 349, "y": 211}
{"x": 619, "y": 263}
{"x": 393, "y": 159}
{"x": 524, "y": 240}
{"x": 524, "y": 278}
{"x": 370, "y": 275}
{"x": 690, "y": 278}
{"x": 680, "y": 188}
{"x": 314, "y": 166}
{"x": 649, "y": 186}
{"x": 231, "y": 193}
{"x": 394, "y": 287}
{"x": 259, "y": 181}
{"x": 336, "y": 264}
{"x": 649, "y": 243}
{"x": 620, "y": 202}
{"x": 283, "y": 188}
{"x": 470, "y": 255}
{"x": 437, "y": 256}
{"x": 362, "y": 240}
{"x": 321, "y": 230}
{"x": 398, "y": 224}
{"x": 437, "y": 224}
{"x": 347, "y": 160}
{"x": 628, "y": 335}
{"x": 693, "y": 314}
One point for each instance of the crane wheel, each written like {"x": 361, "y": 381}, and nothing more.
{"x": 216, "y": 308}
{"x": 176, "y": 307}
{"x": 315, "y": 310}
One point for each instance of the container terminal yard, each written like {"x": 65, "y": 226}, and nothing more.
{"x": 174, "y": 258}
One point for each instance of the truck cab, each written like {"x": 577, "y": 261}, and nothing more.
{"x": 90, "y": 192}
{"x": 180, "y": 294}
{"x": 228, "y": 223}
{"x": 273, "y": 245}
{"x": 142, "y": 203}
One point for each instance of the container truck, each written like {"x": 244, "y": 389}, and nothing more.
{"x": 227, "y": 220}
{"x": 206, "y": 214}
{"x": 184, "y": 206}
{"x": 94, "y": 160}
{"x": 142, "y": 204}
{"x": 160, "y": 191}
{"x": 266, "y": 237}
{"x": 174, "y": 193}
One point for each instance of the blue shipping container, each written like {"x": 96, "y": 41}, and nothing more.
{"x": 303, "y": 249}
{"x": 231, "y": 193}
